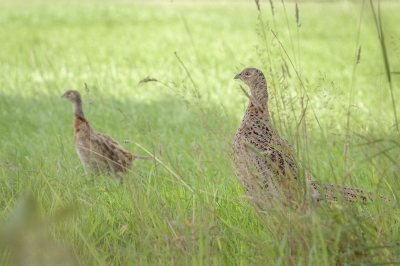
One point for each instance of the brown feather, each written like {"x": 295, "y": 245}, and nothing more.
{"x": 264, "y": 162}
{"x": 97, "y": 151}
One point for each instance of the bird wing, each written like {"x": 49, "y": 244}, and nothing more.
{"x": 108, "y": 149}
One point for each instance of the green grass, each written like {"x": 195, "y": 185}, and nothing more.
{"x": 188, "y": 119}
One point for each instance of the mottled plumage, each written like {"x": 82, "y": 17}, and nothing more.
{"x": 97, "y": 151}
{"x": 264, "y": 162}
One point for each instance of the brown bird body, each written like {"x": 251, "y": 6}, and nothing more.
{"x": 264, "y": 162}
{"x": 97, "y": 151}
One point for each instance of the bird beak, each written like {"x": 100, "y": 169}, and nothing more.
{"x": 238, "y": 76}
{"x": 63, "y": 96}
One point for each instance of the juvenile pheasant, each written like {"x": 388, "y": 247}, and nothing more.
{"x": 97, "y": 151}
{"x": 264, "y": 162}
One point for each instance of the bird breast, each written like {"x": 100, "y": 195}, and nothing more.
{"x": 82, "y": 131}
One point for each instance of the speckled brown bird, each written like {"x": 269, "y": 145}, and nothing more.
{"x": 97, "y": 151}
{"x": 264, "y": 162}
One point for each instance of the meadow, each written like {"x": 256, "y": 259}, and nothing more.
{"x": 333, "y": 95}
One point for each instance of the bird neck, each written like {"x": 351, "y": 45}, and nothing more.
{"x": 259, "y": 94}
{"x": 78, "y": 111}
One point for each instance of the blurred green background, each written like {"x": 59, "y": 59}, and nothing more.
{"x": 336, "y": 111}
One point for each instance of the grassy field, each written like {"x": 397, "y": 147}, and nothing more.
{"x": 337, "y": 111}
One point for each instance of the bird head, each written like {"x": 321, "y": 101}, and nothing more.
{"x": 249, "y": 76}
{"x": 72, "y": 96}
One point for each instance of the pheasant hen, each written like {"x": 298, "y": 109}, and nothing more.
{"x": 264, "y": 162}
{"x": 97, "y": 151}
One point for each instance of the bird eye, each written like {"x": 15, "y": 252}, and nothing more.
{"x": 247, "y": 74}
